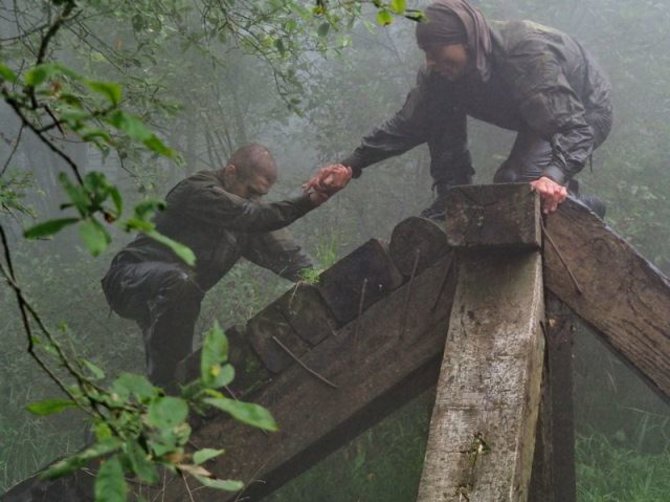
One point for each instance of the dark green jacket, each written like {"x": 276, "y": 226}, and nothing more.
{"x": 220, "y": 228}
{"x": 541, "y": 79}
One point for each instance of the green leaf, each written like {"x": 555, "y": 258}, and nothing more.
{"x": 384, "y": 17}
{"x": 49, "y": 227}
{"x": 111, "y": 90}
{"x": 43, "y": 72}
{"x": 214, "y": 353}
{"x": 50, "y": 406}
{"x": 94, "y": 236}
{"x": 7, "y": 74}
{"x": 140, "y": 462}
{"x": 129, "y": 124}
{"x": 248, "y": 413}
{"x": 128, "y": 384}
{"x": 279, "y": 44}
{"x": 110, "y": 485}
{"x": 180, "y": 250}
{"x": 167, "y": 412}
{"x": 77, "y": 195}
{"x": 70, "y": 464}
{"x": 97, "y": 373}
{"x": 202, "y": 456}
{"x": 323, "y": 29}
{"x": 398, "y": 6}
{"x": 228, "y": 485}
{"x": 154, "y": 144}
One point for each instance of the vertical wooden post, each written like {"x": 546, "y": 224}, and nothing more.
{"x": 482, "y": 432}
{"x": 554, "y": 478}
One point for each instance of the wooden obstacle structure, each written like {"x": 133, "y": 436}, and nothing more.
{"x": 483, "y": 310}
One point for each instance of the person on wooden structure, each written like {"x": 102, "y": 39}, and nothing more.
{"x": 518, "y": 75}
{"x": 220, "y": 217}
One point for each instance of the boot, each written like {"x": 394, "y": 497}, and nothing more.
{"x": 437, "y": 210}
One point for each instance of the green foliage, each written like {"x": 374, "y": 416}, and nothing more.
{"x": 50, "y": 406}
{"x": 110, "y": 485}
{"x": 139, "y": 429}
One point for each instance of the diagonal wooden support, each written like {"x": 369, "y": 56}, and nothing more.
{"x": 614, "y": 289}
{"x": 482, "y": 432}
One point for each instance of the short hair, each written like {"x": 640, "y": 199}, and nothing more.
{"x": 252, "y": 158}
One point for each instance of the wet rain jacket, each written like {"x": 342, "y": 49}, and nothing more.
{"x": 220, "y": 228}
{"x": 540, "y": 80}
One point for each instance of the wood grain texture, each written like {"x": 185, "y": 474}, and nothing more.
{"x": 417, "y": 243}
{"x": 499, "y": 215}
{"x": 482, "y": 431}
{"x": 358, "y": 280}
{"x": 623, "y": 296}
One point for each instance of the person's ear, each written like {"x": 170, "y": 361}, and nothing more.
{"x": 230, "y": 170}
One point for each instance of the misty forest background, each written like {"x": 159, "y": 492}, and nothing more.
{"x": 207, "y": 89}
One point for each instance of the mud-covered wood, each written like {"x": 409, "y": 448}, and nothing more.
{"x": 376, "y": 368}
{"x": 615, "y": 290}
{"x": 554, "y": 478}
{"x": 307, "y": 313}
{"x": 502, "y": 215}
{"x": 417, "y": 243}
{"x": 482, "y": 431}
{"x": 271, "y": 334}
{"x": 358, "y": 280}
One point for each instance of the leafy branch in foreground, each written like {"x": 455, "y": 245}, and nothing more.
{"x": 137, "y": 428}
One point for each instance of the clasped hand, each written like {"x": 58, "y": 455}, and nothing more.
{"x": 326, "y": 182}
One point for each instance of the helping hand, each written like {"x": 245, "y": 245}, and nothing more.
{"x": 551, "y": 193}
{"x": 327, "y": 181}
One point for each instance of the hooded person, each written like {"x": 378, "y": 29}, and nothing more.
{"x": 518, "y": 75}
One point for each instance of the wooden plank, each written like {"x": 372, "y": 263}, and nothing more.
{"x": 615, "y": 290}
{"x": 376, "y": 365}
{"x": 482, "y": 432}
{"x": 554, "y": 477}
{"x": 417, "y": 243}
{"x": 500, "y": 215}
{"x": 307, "y": 313}
{"x": 271, "y": 334}
{"x": 358, "y": 280}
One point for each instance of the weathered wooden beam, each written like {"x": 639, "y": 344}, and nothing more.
{"x": 379, "y": 361}
{"x": 416, "y": 243}
{"x": 482, "y": 432}
{"x": 611, "y": 287}
{"x": 358, "y": 280}
{"x": 500, "y": 215}
{"x": 553, "y": 478}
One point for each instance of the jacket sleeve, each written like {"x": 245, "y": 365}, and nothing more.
{"x": 277, "y": 251}
{"x": 209, "y": 203}
{"x": 550, "y": 106}
{"x": 406, "y": 129}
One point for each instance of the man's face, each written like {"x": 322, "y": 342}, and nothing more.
{"x": 450, "y": 61}
{"x": 252, "y": 185}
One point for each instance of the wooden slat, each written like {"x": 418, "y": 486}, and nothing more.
{"x": 416, "y": 243}
{"x": 376, "y": 364}
{"x": 615, "y": 290}
{"x": 500, "y": 215}
{"x": 482, "y": 431}
{"x": 358, "y": 280}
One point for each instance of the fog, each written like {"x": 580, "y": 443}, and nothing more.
{"x": 206, "y": 89}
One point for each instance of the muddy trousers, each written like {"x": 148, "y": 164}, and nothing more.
{"x": 164, "y": 300}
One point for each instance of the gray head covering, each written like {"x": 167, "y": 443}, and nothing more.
{"x": 457, "y": 22}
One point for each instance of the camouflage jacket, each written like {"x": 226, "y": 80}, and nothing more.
{"x": 541, "y": 79}
{"x": 220, "y": 228}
